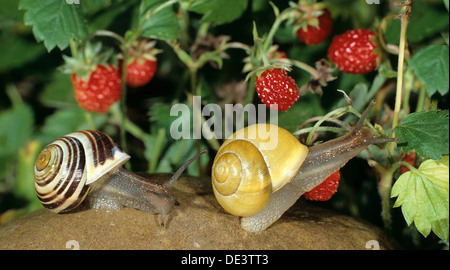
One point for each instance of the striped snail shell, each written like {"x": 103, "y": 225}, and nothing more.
{"x": 88, "y": 165}
{"x": 66, "y": 167}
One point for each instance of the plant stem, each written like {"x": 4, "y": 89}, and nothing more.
{"x": 421, "y": 98}
{"x": 89, "y": 120}
{"x": 129, "y": 126}
{"x": 401, "y": 60}
{"x": 110, "y": 34}
{"x": 160, "y": 138}
{"x": 250, "y": 90}
{"x": 306, "y": 68}
{"x": 338, "y": 112}
{"x": 123, "y": 102}
{"x": 385, "y": 176}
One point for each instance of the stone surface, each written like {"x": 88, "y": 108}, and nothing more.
{"x": 198, "y": 223}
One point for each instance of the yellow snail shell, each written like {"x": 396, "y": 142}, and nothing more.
{"x": 242, "y": 180}
{"x": 65, "y": 168}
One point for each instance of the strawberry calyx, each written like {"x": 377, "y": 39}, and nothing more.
{"x": 85, "y": 61}
{"x": 309, "y": 14}
{"x": 140, "y": 51}
{"x": 141, "y": 62}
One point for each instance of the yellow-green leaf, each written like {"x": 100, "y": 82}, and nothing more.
{"x": 423, "y": 195}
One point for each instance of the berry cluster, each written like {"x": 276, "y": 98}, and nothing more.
{"x": 352, "y": 52}
{"x": 98, "y": 84}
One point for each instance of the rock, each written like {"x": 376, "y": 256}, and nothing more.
{"x": 198, "y": 223}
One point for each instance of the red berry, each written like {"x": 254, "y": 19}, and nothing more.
{"x": 325, "y": 190}
{"x": 410, "y": 158}
{"x": 102, "y": 89}
{"x": 353, "y": 51}
{"x": 140, "y": 72}
{"x": 275, "y": 86}
{"x": 313, "y": 35}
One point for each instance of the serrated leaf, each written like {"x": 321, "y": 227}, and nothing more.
{"x": 427, "y": 133}
{"x": 431, "y": 65}
{"x": 162, "y": 24}
{"x": 219, "y": 11}
{"x": 423, "y": 195}
{"x": 54, "y": 22}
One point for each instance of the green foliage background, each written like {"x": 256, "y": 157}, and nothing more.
{"x": 37, "y": 103}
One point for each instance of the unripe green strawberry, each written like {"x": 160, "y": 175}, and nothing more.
{"x": 325, "y": 190}
{"x": 353, "y": 51}
{"x": 276, "y": 87}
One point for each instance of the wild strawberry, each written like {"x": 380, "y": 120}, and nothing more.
{"x": 141, "y": 64}
{"x": 316, "y": 29}
{"x": 100, "y": 91}
{"x": 276, "y": 87}
{"x": 325, "y": 190}
{"x": 140, "y": 72}
{"x": 353, "y": 51}
{"x": 410, "y": 158}
{"x": 97, "y": 83}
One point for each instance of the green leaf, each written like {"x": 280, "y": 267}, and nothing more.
{"x": 24, "y": 180}
{"x": 63, "y": 122}
{"x": 431, "y": 66}
{"x": 308, "y": 106}
{"x": 17, "y": 51}
{"x": 59, "y": 91}
{"x": 54, "y": 22}
{"x": 162, "y": 24}
{"x": 219, "y": 11}
{"x": 16, "y": 128}
{"x": 423, "y": 195}
{"x": 427, "y": 133}
{"x": 426, "y": 22}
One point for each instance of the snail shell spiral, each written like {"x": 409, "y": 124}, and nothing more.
{"x": 65, "y": 168}
{"x": 246, "y": 171}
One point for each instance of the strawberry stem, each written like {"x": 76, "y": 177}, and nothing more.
{"x": 401, "y": 59}
{"x": 385, "y": 176}
{"x": 89, "y": 120}
{"x": 123, "y": 100}
{"x": 335, "y": 113}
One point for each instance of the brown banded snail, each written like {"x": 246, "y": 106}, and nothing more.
{"x": 258, "y": 181}
{"x": 88, "y": 164}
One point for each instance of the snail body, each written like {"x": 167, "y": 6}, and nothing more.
{"x": 311, "y": 166}
{"x": 88, "y": 165}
